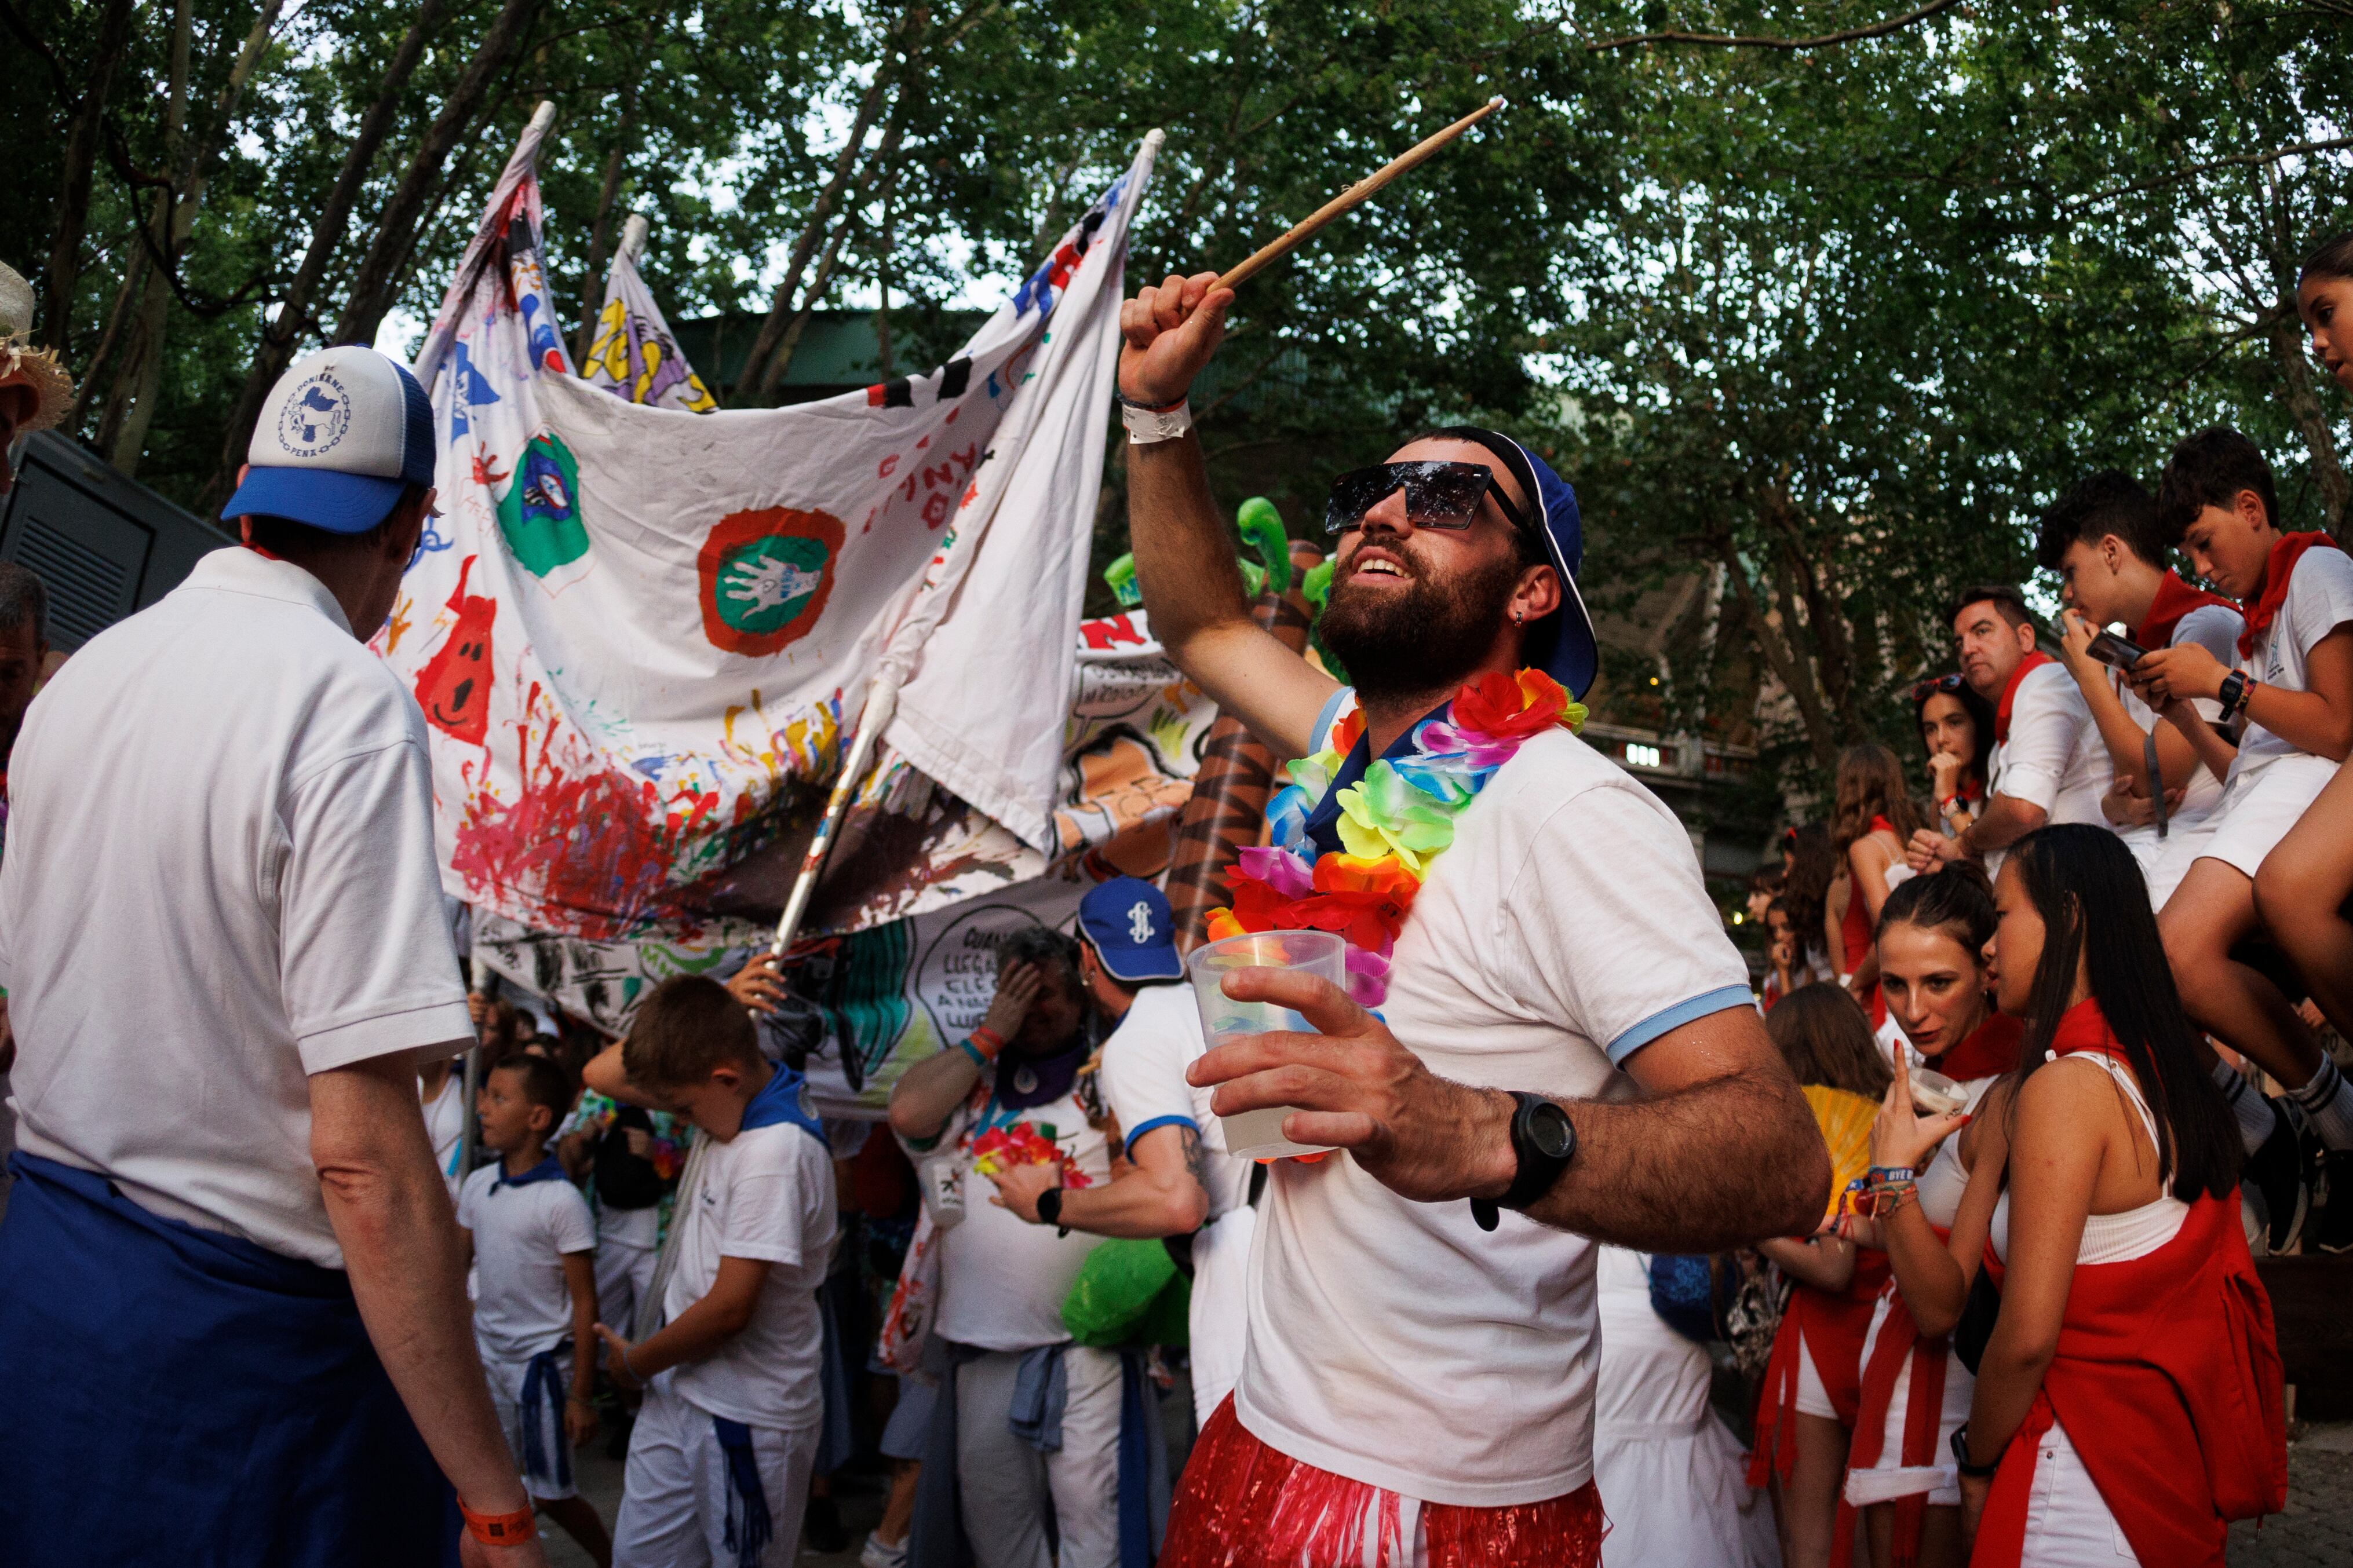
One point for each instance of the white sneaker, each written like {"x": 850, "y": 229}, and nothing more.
{"x": 877, "y": 1556}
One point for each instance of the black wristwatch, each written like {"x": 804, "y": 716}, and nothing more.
{"x": 1544, "y": 1141}
{"x": 1049, "y": 1209}
{"x": 1962, "y": 1455}
{"x": 2236, "y": 687}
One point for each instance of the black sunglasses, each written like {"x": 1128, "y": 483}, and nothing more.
{"x": 1436, "y": 495}
{"x": 1924, "y": 689}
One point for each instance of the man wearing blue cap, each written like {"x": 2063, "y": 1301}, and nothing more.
{"x": 1183, "y": 1183}
{"x": 233, "y": 1318}
{"x": 1567, "y": 1037}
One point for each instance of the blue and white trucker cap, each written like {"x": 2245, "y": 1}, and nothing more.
{"x": 341, "y": 434}
{"x": 1128, "y": 922}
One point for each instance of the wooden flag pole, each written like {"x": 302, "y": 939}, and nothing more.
{"x": 1267, "y": 255}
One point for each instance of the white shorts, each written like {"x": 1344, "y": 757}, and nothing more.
{"x": 625, "y": 1281}
{"x": 1889, "y": 1478}
{"x": 550, "y": 1477}
{"x": 2255, "y": 813}
{"x": 1814, "y": 1394}
{"x": 2068, "y": 1523}
{"x": 675, "y": 1494}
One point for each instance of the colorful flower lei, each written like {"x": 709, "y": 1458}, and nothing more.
{"x": 1001, "y": 1149}
{"x": 1394, "y": 823}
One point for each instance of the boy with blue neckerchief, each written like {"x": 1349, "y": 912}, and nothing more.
{"x": 720, "y": 1456}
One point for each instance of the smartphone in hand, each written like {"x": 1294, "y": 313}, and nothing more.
{"x": 2112, "y": 649}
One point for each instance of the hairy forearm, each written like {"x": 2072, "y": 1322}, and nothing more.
{"x": 2005, "y": 821}
{"x": 1723, "y": 1163}
{"x": 1184, "y": 550}
{"x": 928, "y": 1093}
{"x": 391, "y": 1214}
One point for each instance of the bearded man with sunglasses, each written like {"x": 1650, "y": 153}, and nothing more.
{"x": 1565, "y": 1038}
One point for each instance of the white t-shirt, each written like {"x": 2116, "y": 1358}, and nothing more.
{"x": 2215, "y": 629}
{"x": 228, "y": 793}
{"x": 1395, "y": 1343}
{"x": 2319, "y": 600}
{"x": 768, "y": 1195}
{"x": 521, "y": 1304}
{"x": 1144, "y": 1084}
{"x": 1002, "y": 1280}
{"x": 2054, "y": 757}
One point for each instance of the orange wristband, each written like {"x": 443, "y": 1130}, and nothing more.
{"x": 498, "y": 1529}
{"x": 987, "y": 1041}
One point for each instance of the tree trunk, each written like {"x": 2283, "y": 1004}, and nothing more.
{"x": 2311, "y": 421}
{"x": 132, "y": 407}
{"x": 592, "y": 277}
{"x": 279, "y": 336}
{"x": 377, "y": 282}
{"x": 885, "y": 158}
{"x": 1779, "y": 643}
{"x": 80, "y": 164}
{"x": 761, "y": 370}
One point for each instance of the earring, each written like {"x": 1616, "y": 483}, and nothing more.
{"x": 1517, "y": 617}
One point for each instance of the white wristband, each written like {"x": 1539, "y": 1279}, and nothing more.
{"x": 1145, "y": 426}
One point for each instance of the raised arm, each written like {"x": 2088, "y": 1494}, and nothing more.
{"x": 1193, "y": 592}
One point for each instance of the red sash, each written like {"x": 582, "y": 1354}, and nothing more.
{"x": 2167, "y": 1380}
{"x": 1990, "y": 1051}
{"x": 2026, "y": 667}
{"x": 1835, "y": 1326}
{"x": 2277, "y": 570}
{"x": 2175, "y": 599}
{"x": 1924, "y": 1408}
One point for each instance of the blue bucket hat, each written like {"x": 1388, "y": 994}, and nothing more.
{"x": 1561, "y": 645}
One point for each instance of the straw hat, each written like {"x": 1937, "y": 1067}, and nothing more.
{"x": 23, "y": 365}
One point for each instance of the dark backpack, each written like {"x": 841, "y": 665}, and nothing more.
{"x": 626, "y": 1181}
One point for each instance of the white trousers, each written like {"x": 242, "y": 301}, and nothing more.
{"x": 625, "y": 1276}
{"x": 675, "y": 1500}
{"x": 2068, "y": 1522}
{"x": 506, "y": 1378}
{"x": 1006, "y": 1484}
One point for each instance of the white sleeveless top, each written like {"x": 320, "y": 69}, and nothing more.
{"x": 2110, "y": 1237}
{"x": 1945, "y": 1179}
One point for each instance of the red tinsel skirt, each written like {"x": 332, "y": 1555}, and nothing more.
{"x": 1243, "y": 1505}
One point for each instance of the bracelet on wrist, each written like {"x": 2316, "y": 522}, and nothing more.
{"x": 1146, "y": 427}
{"x": 987, "y": 1041}
{"x": 635, "y": 1374}
{"x": 499, "y": 1528}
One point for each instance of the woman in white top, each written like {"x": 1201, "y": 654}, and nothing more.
{"x": 1669, "y": 1472}
{"x": 2122, "y": 1397}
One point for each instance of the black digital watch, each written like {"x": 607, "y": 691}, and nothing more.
{"x": 1544, "y": 1141}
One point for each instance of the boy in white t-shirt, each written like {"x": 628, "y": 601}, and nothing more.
{"x": 2292, "y": 694}
{"x": 536, "y": 1289}
{"x": 2102, "y": 541}
{"x": 721, "y": 1455}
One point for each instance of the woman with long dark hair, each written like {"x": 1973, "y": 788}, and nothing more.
{"x": 1956, "y": 725}
{"x": 1809, "y": 867}
{"x": 2127, "y": 1405}
{"x": 1933, "y": 935}
{"x": 1812, "y": 1385}
{"x": 1871, "y": 823}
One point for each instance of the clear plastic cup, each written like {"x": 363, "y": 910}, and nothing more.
{"x": 1258, "y": 1134}
{"x": 1934, "y": 1094}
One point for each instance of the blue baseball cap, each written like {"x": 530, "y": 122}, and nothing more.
{"x": 341, "y": 436}
{"x": 1561, "y": 645}
{"x": 1127, "y": 922}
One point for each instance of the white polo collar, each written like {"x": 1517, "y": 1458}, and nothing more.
{"x": 238, "y": 570}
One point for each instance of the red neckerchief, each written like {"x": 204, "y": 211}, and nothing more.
{"x": 265, "y": 555}
{"x": 2277, "y": 570}
{"x": 2026, "y": 667}
{"x": 1990, "y": 1051}
{"x": 2175, "y": 599}
{"x": 2084, "y": 1028}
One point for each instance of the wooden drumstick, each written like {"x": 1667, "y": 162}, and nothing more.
{"x": 1267, "y": 255}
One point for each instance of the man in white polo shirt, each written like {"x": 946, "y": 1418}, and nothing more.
{"x": 233, "y": 1321}
{"x": 1417, "y": 1383}
{"x": 2048, "y": 763}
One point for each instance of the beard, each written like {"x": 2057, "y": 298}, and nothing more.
{"x": 1428, "y": 637}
